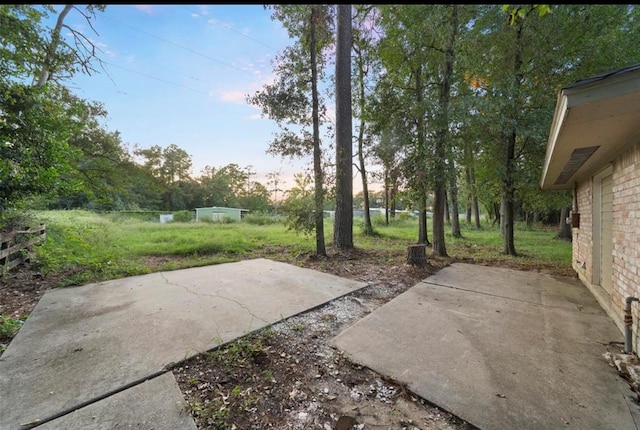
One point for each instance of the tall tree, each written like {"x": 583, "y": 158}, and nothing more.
{"x": 36, "y": 121}
{"x": 453, "y": 192}
{"x": 294, "y": 100}
{"x": 343, "y": 221}
{"x": 443, "y": 127}
{"x": 419, "y": 53}
{"x": 366, "y": 65}
{"x": 61, "y": 58}
{"x": 523, "y": 58}
{"x": 172, "y": 167}
{"x": 403, "y": 55}
{"x": 388, "y": 151}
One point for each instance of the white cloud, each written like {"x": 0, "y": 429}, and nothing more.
{"x": 214, "y": 21}
{"x": 255, "y": 116}
{"x": 237, "y": 97}
{"x": 149, "y": 9}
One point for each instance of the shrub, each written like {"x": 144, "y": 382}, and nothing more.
{"x": 183, "y": 216}
{"x": 15, "y": 219}
{"x": 261, "y": 219}
{"x": 226, "y": 219}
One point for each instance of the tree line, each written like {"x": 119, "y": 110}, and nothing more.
{"x": 450, "y": 108}
{"x": 453, "y": 101}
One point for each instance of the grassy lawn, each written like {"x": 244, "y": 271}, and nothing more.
{"x": 90, "y": 247}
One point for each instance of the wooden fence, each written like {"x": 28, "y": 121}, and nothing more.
{"x": 14, "y": 246}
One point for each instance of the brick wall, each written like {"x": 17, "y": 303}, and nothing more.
{"x": 626, "y": 239}
{"x": 583, "y": 236}
{"x": 626, "y": 232}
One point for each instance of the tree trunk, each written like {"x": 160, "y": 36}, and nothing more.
{"x": 442, "y": 138}
{"x": 469, "y": 211}
{"x": 476, "y": 212}
{"x": 317, "y": 154}
{"x": 564, "y": 228}
{"x": 502, "y": 213}
{"x": 455, "y": 215}
{"x": 509, "y": 244}
{"x": 386, "y": 197}
{"x": 470, "y": 174}
{"x": 423, "y": 237}
{"x": 447, "y": 213}
{"x": 46, "y": 68}
{"x": 368, "y": 227}
{"x": 508, "y": 200}
{"x": 495, "y": 215}
{"x": 474, "y": 198}
{"x": 394, "y": 193}
{"x": 343, "y": 221}
{"x": 416, "y": 255}
{"x": 438, "y": 246}
{"x": 508, "y": 188}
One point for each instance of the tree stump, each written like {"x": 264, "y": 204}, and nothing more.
{"x": 417, "y": 255}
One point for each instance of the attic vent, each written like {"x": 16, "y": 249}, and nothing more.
{"x": 578, "y": 158}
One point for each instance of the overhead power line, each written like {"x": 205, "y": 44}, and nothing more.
{"x": 155, "y": 78}
{"x": 228, "y": 27}
{"x": 186, "y": 48}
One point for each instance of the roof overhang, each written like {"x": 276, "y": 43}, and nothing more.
{"x": 594, "y": 121}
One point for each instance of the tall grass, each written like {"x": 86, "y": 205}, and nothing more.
{"x": 537, "y": 246}
{"x": 86, "y": 247}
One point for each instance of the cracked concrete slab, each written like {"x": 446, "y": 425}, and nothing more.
{"x": 82, "y": 342}
{"x": 500, "y": 348}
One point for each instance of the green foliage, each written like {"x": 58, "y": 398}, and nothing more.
{"x": 242, "y": 350}
{"x": 214, "y": 414}
{"x": 183, "y": 216}
{"x": 83, "y": 247}
{"x": 262, "y": 219}
{"x": 13, "y": 219}
{"x": 35, "y": 124}
{"x": 38, "y": 115}
{"x": 9, "y": 326}
{"x": 299, "y": 206}
{"x": 520, "y": 12}
{"x": 89, "y": 247}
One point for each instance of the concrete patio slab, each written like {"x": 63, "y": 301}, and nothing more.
{"x": 501, "y": 349}
{"x": 82, "y": 342}
{"x": 128, "y": 409}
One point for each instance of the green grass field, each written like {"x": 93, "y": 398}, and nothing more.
{"x": 88, "y": 247}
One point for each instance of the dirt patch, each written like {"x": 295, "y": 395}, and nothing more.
{"x": 289, "y": 376}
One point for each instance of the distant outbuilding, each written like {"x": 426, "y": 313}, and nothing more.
{"x": 217, "y": 213}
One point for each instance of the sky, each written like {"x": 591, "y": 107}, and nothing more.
{"x": 179, "y": 74}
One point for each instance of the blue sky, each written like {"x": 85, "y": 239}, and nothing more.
{"x": 178, "y": 74}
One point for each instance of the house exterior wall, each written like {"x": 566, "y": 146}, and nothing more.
{"x": 582, "y": 240}
{"x": 626, "y": 232}
{"x": 625, "y": 237}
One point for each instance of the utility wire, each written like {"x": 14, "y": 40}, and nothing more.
{"x": 186, "y": 48}
{"x": 155, "y": 78}
{"x": 228, "y": 27}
